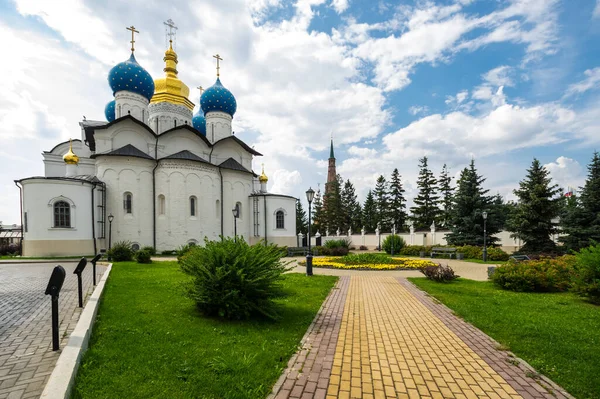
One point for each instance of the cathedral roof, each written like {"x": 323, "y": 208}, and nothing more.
{"x": 109, "y": 111}
{"x": 130, "y": 76}
{"x": 240, "y": 142}
{"x": 232, "y": 164}
{"x": 218, "y": 98}
{"x": 186, "y": 155}
{"x": 126, "y": 151}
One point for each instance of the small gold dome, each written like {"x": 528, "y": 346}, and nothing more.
{"x": 70, "y": 158}
{"x": 170, "y": 89}
{"x": 263, "y": 178}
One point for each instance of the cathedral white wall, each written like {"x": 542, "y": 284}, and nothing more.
{"x": 236, "y": 189}
{"x": 218, "y": 125}
{"x": 180, "y": 140}
{"x": 285, "y": 236}
{"x": 165, "y": 116}
{"x": 178, "y": 181}
{"x": 54, "y": 166}
{"x": 129, "y": 103}
{"x": 39, "y": 234}
{"x": 121, "y": 134}
{"x": 128, "y": 175}
{"x": 231, "y": 149}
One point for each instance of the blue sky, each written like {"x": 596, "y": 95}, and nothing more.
{"x": 500, "y": 81}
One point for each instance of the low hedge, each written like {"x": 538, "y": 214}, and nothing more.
{"x": 544, "y": 275}
{"x": 469, "y": 251}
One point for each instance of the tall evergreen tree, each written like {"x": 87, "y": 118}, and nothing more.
{"x": 446, "y": 191}
{"x": 301, "y": 218}
{"x": 317, "y": 214}
{"x": 580, "y": 218}
{"x": 370, "y": 213}
{"x": 466, "y": 217}
{"x": 351, "y": 206}
{"x": 397, "y": 201}
{"x": 334, "y": 215}
{"x": 382, "y": 203}
{"x": 426, "y": 210}
{"x": 539, "y": 204}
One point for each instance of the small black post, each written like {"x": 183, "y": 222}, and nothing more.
{"x": 78, "y": 271}
{"x": 93, "y": 261}
{"x": 53, "y": 289}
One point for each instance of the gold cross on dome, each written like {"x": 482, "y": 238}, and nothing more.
{"x": 201, "y": 90}
{"x": 218, "y": 57}
{"x": 133, "y": 32}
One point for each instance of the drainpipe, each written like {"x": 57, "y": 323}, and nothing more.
{"x": 265, "y": 201}
{"x": 222, "y": 215}
{"x": 21, "y": 206}
{"x": 154, "y": 191}
{"x": 94, "y": 221}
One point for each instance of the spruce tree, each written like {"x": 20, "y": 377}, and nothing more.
{"x": 334, "y": 216}
{"x": 426, "y": 210}
{"x": 397, "y": 201}
{"x": 370, "y": 213}
{"x": 469, "y": 203}
{"x": 382, "y": 203}
{"x": 301, "y": 218}
{"x": 580, "y": 218}
{"x": 317, "y": 214}
{"x": 539, "y": 204}
{"x": 446, "y": 191}
{"x": 351, "y": 206}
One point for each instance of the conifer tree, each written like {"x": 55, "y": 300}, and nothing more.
{"x": 580, "y": 218}
{"x": 446, "y": 191}
{"x": 426, "y": 210}
{"x": 334, "y": 216}
{"x": 317, "y": 216}
{"x": 397, "y": 201}
{"x": 382, "y": 203}
{"x": 370, "y": 213}
{"x": 469, "y": 203}
{"x": 351, "y": 206}
{"x": 539, "y": 204}
{"x": 301, "y": 218}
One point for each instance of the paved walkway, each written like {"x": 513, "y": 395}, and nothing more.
{"x": 26, "y": 357}
{"x": 393, "y": 341}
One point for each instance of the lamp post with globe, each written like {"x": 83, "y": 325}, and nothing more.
{"x": 310, "y": 194}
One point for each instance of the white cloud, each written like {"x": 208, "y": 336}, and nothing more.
{"x": 592, "y": 81}
{"x": 458, "y": 98}
{"x": 499, "y": 76}
{"x": 285, "y": 181}
{"x": 596, "y": 13}
{"x": 418, "y": 109}
{"x": 566, "y": 172}
{"x": 339, "y": 5}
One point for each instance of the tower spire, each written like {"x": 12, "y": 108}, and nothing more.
{"x": 331, "y": 150}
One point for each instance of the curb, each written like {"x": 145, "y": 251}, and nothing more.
{"x": 63, "y": 376}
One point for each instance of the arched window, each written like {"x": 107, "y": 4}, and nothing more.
{"x": 128, "y": 203}
{"x": 161, "y": 204}
{"x": 239, "y": 206}
{"x": 279, "y": 220}
{"x": 62, "y": 214}
{"x": 193, "y": 206}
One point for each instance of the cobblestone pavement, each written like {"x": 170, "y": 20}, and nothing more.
{"x": 26, "y": 357}
{"x": 393, "y": 341}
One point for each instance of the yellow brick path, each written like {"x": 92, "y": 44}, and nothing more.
{"x": 390, "y": 345}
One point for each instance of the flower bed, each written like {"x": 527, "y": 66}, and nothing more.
{"x": 338, "y": 262}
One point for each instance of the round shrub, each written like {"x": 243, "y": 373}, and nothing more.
{"x": 121, "y": 251}
{"x": 586, "y": 281}
{"x": 496, "y": 254}
{"x": 150, "y": 249}
{"x": 471, "y": 251}
{"x": 234, "y": 280}
{"x": 396, "y": 240}
{"x": 544, "y": 275}
{"x": 363, "y": 248}
{"x": 414, "y": 250}
{"x": 143, "y": 256}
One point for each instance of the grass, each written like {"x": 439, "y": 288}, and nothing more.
{"x": 558, "y": 334}
{"x": 149, "y": 340}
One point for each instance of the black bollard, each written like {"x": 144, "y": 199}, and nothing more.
{"x": 54, "y": 286}
{"x": 93, "y": 261}
{"x": 78, "y": 271}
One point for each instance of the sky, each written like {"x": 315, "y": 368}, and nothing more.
{"x": 497, "y": 81}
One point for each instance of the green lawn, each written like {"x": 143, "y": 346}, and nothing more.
{"x": 558, "y": 334}
{"x": 149, "y": 341}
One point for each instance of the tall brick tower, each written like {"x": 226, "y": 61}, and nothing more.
{"x": 331, "y": 174}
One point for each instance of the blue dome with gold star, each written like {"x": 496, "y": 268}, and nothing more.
{"x": 109, "y": 111}
{"x": 218, "y": 98}
{"x": 130, "y": 76}
{"x": 199, "y": 122}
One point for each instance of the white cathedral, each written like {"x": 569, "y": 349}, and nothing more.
{"x": 153, "y": 174}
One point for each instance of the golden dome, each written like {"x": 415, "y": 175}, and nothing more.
{"x": 263, "y": 178}
{"x": 70, "y": 158}
{"x": 170, "y": 89}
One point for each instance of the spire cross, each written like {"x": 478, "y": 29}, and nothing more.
{"x": 133, "y": 32}
{"x": 201, "y": 90}
{"x": 172, "y": 29}
{"x": 218, "y": 57}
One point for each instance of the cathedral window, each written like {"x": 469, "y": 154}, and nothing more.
{"x": 128, "y": 203}
{"x": 193, "y": 206}
{"x": 279, "y": 220}
{"x": 161, "y": 204}
{"x": 62, "y": 214}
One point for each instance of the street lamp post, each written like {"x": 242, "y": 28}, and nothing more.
{"x": 110, "y": 220}
{"x": 310, "y": 194}
{"x": 236, "y": 215}
{"x": 484, "y": 214}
